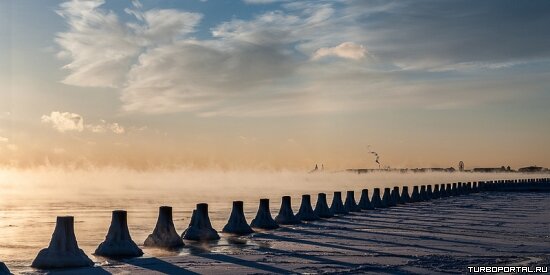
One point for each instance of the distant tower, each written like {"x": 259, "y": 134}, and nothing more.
{"x": 461, "y": 166}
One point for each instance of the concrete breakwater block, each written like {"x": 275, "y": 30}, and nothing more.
{"x": 4, "y": 269}
{"x": 442, "y": 191}
{"x": 436, "y": 193}
{"x": 306, "y": 213}
{"x": 351, "y": 205}
{"x": 429, "y": 192}
{"x": 164, "y": 235}
{"x": 118, "y": 242}
{"x": 200, "y": 227}
{"x": 475, "y": 187}
{"x": 415, "y": 196}
{"x": 286, "y": 215}
{"x": 337, "y": 206}
{"x": 63, "y": 251}
{"x": 263, "y": 219}
{"x": 386, "y": 199}
{"x": 423, "y": 194}
{"x": 396, "y": 196}
{"x": 237, "y": 221}
{"x": 321, "y": 207}
{"x": 365, "y": 202}
{"x": 376, "y": 199}
{"x": 454, "y": 190}
{"x": 405, "y": 198}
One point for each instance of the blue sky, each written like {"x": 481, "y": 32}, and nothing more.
{"x": 108, "y": 75}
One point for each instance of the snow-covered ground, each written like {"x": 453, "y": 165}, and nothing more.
{"x": 436, "y": 237}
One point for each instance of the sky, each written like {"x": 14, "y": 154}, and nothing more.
{"x": 267, "y": 84}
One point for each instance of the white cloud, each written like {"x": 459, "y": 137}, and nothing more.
{"x": 65, "y": 121}
{"x": 4, "y": 139}
{"x": 348, "y": 50}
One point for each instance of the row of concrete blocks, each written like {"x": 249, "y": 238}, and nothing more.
{"x": 63, "y": 251}
{"x": 521, "y": 185}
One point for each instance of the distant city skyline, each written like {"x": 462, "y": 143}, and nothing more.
{"x": 274, "y": 84}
